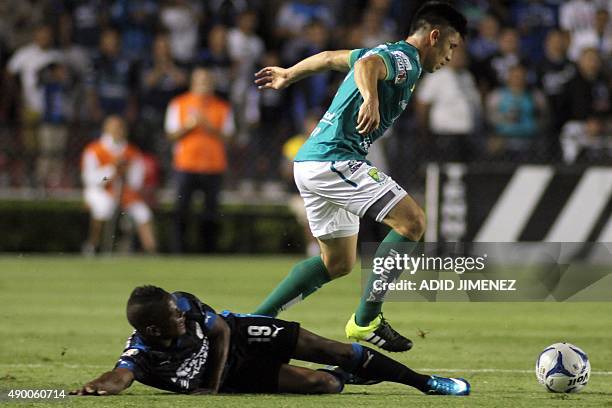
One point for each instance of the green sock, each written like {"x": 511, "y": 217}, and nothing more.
{"x": 367, "y": 310}
{"x": 305, "y": 278}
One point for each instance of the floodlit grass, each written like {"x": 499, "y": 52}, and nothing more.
{"x": 62, "y": 322}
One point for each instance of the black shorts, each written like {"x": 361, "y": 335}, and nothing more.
{"x": 259, "y": 347}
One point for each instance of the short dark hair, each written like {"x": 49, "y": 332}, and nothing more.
{"x": 439, "y": 13}
{"x": 145, "y": 304}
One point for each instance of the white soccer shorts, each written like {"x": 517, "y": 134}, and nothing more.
{"x": 102, "y": 205}
{"x": 337, "y": 194}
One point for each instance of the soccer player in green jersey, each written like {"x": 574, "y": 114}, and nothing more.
{"x": 336, "y": 181}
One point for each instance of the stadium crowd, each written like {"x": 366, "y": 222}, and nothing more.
{"x": 533, "y": 83}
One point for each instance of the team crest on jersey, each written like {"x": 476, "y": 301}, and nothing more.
{"x": 376, "y": 175}
{"x": 402, "y": 66}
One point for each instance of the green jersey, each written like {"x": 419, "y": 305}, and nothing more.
{"x": 336, "y": 137}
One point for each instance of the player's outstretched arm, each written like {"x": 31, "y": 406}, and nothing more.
{"x": 368, "y": 71}
{"x": 219, "y": 337}
{"x": 279, "y": 78}
{"x": 109, "y": 383}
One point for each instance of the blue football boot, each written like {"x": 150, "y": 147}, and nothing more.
{"x": 448, "y": 386}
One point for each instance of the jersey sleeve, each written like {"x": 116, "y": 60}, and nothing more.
{"x": 134, "y": 358}
{"x": 172, "y": 121}
{"x": 129, "y": 359}
{"x": 355, "y": 54}
{"x": 92, "y": 173}
{"x": 397, "y": 62}
{"x": 195, "y": 309}
{"x": 398, "y": 66}
{"x": 16, "y": 63}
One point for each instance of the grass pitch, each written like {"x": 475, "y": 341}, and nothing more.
{"x": 62, "y": 323}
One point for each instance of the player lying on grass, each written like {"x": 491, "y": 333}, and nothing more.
{"x": 338, "y": 184}
{"x": 182, "y": 345}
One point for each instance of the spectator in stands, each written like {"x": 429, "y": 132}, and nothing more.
{"x": 19, "y": 19}
{"x": 587, "y": 141}
{"x": 598, "y": 36}
{"x": 113, "y": 173}
{"x": 314, "y": 38}
{"x": 449, "y": 107}
{"x": 89, "y": 18}
{"x": 485, "y": 44}
{"x": 533, "y": 18}
{"x": 58, "y": 107}
{"x": 352, "y": 38}
{"x": 268, "y": 115}
{"x": 182, "y": 20}
{"x": 312, "y": 93}
{"x": 587, "y": 93}
{"x": 161, "y": 78}
{"x": 390, "y": 12}
{"x": 199, "y": 123}
{"x": 245, "y": 49}
{"x": 226, "y": 12}
{"x": 104, "y": 79}
{"x": 375, "y": 32}
{"x": 26, "y": 65}
{"x": 578, "y": 15}
{"x": 517, "y": 116}
{"x": 494, "y": 72}
{"x": 112, "y": 81}
{"x": 217, "y": 59}
{"x": 554, "y": 72}
{"x": 294, "y": 15}
{"x": 74, "y": 56}
{"x": 135, "y": 20}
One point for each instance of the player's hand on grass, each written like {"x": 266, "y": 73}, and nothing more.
{"x": 109, "y": 383}
{"x": 92, "y": 388}
{"x": 368, "y": 118}
{"x": 272, "y": 78}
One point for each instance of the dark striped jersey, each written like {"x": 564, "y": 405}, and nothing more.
{"x": 182, "y": 366}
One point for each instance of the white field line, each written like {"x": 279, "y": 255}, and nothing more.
{"x": 431, "y": 370}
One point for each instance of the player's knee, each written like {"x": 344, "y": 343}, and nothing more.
{"x": 413, "y": 227}
{"x": 321, "y": 382}
{"x": 339, "y": 267}
{"x": 418, "y": 224}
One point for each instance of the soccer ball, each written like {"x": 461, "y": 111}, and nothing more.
{"x": 563, "y": 367}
